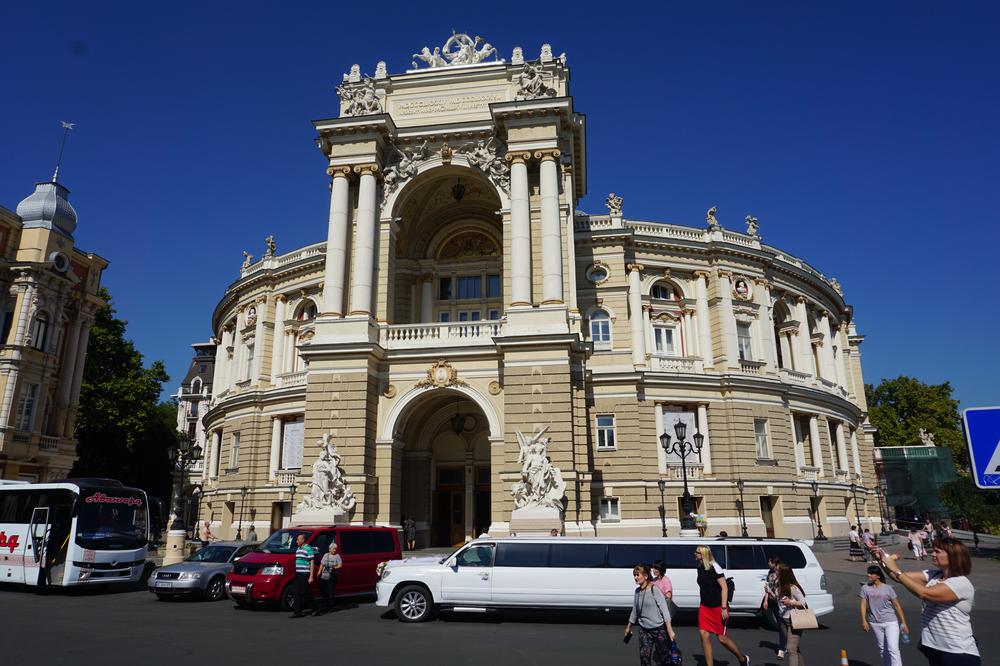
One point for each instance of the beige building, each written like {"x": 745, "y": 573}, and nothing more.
{"x": 460, "y": 298}
{"x": 48, "y": 289}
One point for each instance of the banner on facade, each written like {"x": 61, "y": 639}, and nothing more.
{"x": 670, "y": 418}
{"x": 291, "y": 444}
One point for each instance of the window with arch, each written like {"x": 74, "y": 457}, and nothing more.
{"x": 40, "y": 331}
{"x": 663, "y": 291}
{"x": 307, "y": 311}
{"x": 600, "y": 328}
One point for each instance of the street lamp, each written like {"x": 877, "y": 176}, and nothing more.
{"x": 739, "y": 505}
{"x": 857, "y": 509}
{"x": 881, "y": 510}
{"x": 661, "y": 484}
{"x": 184, "y": 452}
{"x": 819, "y": 525}
{"x": 683, "y": 448}
{"x": 243, "y": 500}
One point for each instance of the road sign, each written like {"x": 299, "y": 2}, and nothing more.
{"x": 982, "y": 432}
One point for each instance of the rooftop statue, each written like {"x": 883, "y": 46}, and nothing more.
{"x": 713, "y": 223}
{"x": 247, "y": 259}
{"x": 614, "y": 204}
{"x": 531, "y": 83}
{"x": 926, "y": 437}
{"x": 460, "y": 49}
{"x": 753, "y": 227}
{"x": 359, "y": 100}
{"x": 272, "y": 247}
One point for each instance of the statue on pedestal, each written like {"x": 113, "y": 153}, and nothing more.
{"x": 541, "y": 483}
{"x": 614, "y": 204}
{"x": 329, "y": 490}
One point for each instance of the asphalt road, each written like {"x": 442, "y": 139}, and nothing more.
{"x": 131, "y": 627}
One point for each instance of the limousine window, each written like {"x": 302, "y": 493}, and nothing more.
{"x": 577, "y": 555}
{"x": 523, "y": 555}
{"x": 627, "y": 555}
{"x": 746, "y": 557}
{"x": 789, "y": 554}
{"x": 477, "y": 556}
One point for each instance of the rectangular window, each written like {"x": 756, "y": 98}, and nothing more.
{"x": 444, "y": 317}
{"x": 292, "y": 435}
{"x": 444, "y": 289}
{"x": 194, "y": 410}
{"x": 494, "y": 315}
{"x": 26, "y": 407}
{"x": 577, "y": 555}
{"x": 250, "y": 354}
{"x": 664, "y": 340}
{"x": 760, "y": 434}
{"x": 743, "y": 338}
{"x": 493, "y": 286}
{"x": 358, "y": 542}
{"x": 470, "y": 286}
{"x": 234, "y": 452}
{"x": 522, "y": 555}
{"x": 600, "y": 328}
{"x": 605, "y": 431}
{"x": 609, "y": 509}
{"x": 469, "y": 315}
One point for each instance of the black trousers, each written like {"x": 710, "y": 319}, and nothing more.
{"x": 329, "y": 588}
{"x": 303, "y": 595}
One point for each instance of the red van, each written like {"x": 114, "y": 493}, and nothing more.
{"x": 265, "y": 576}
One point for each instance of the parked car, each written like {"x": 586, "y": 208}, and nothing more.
{"x": 265, "y": 576}
{"x": 203, "y": 573}
{"x": 595, "y": 573}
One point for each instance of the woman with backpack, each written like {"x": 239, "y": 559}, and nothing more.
{"x": 651, "y": 615}
{"x": 713, "y": 613}
{"x": 790, "y": 597}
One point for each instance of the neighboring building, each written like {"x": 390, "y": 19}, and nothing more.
{"x": 912, "y": 477}
{"x": 193, "y": 399}
{"x": 460, "y": 300}
{"x": 48, "y": 289}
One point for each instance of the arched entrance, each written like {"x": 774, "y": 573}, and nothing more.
{"x": 445, "y": 469}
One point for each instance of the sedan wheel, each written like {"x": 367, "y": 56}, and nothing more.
{"x": 414, "y": 604}
{"x": 216, "y": 588}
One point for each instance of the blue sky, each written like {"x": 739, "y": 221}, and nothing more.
{"x": 862, "y": 135}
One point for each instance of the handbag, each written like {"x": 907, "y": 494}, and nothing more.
{"x": 803, "y": 618}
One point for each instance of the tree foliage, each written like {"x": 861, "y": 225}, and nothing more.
{"x": 122, "y": 430}
{"x": 980, "y": 507}
{"x": 900, "y": 407}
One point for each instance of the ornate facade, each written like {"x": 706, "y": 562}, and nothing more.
{"x": 49, "y": 291}
{"x": 483, "y": 354}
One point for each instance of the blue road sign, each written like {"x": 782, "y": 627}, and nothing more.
{"x": 982, "y": 432}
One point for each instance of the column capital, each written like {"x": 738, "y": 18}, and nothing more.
{"x": 261, "y": 299}
{"x": 280, "y": 298}
{"x": 427, "y": 277}
{"x": 634, "y": 267}
{"x": 647, "y": 308}
{"x": 517, "y": 157}
{"x": 338, "y": 171}
{"x": 362, "y": 169}
{"x": 702, "y": 274}
{"x": 764, "y": 282}
{"x": 801, "y": 300}
{"x": 723, "y": 273}
{"x": 549, "y": 154}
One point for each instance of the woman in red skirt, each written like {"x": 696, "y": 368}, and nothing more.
{"x": 713, "y": 613}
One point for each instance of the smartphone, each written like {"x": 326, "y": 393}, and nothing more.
{"x": 627, "y": 638}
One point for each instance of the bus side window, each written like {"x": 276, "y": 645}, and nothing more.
{"x": 8, "y": 507}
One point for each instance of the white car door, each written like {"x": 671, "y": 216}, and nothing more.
{"x": 469, "y": 578}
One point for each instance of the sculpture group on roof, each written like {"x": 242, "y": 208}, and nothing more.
{"x": 460, "y": 49}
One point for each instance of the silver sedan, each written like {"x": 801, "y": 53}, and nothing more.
{"x": 202, "y": 574}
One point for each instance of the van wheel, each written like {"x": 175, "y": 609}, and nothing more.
{"x": 288, "y": 598}
{"x": 216, "y": 589}
{"x": 414, "y": 604}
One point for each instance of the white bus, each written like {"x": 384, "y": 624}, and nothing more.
{"x": 72, "y": 532}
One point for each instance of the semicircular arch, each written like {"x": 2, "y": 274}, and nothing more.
{"x": 401, "y": 411}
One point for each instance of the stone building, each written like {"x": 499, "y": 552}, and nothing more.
{"x": 479, "y": 351}
{"x": 193, "y": 397}
{"x": 48, "y": 288}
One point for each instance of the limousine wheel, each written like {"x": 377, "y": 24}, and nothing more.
{"x": 414, "y": 604}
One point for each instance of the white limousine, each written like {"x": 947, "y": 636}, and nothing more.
{"x": 585, "y": 573}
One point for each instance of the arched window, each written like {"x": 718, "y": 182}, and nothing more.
{"x": 600, "y": 328}
{"x": 196, "y": 385}
{"x": 663, "y": 291}
{"x": 40, "y": 332}
{"x": 783, "y": 342}
{"x": 307, "y": 311}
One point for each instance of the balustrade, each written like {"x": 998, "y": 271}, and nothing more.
{"x": 440, "y": 335}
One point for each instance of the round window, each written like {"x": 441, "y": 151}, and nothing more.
{"x": 597, "y": 273}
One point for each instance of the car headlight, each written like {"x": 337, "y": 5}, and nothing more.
{"x": 152, "y": 576}
{"x": 273, "y": 570}
{"x": 190, "y": 575}
{"x": 386, "y": 573}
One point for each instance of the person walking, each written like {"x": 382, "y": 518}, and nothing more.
{"x": 879, "y": 608}
{"x": 770, "y": 602}
{"x": 790, "y": 597}
{"x": 205, "y": 534}
{"x": 713, "y": 612}
{"x": 329, "y": 571}
{"x": 856, "y": 551}
{"x": 867, "y": 543}
{"x": 947, "y": 594}
{"x": 651, "y": 615}
{"x": 410, "y": 533}
{"x": 658, "y": 570}
{"x": 252, "y": 535}
{"x": 305, "y": 573}
{"x": 916, "y": 545}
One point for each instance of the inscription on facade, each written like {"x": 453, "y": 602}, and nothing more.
{"x": 447, "y": 104}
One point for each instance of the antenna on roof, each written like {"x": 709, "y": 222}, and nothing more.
{"x": 66, "y": 128}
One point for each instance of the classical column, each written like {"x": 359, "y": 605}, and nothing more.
{"x": 706, "y": 447}
{"x": 216, "y": 451}
{"x": 258, "y": 340}
{"x": 236, "y": 364}
{"x": 290, "y": 351}
{"x": 26, "y": 290}
{"x": 766, "y": 321}
{"x": 814, "y": 445}
{"x": 427, "y": 298}
{"x": 854, "y": 452}
{"x": 81, "y": 355}
{"x": 228, "y": 355}
{"x": 68, "y": 360}
{"x": 661, "y": 455}
{"x": 275, "y": 461}
{"x": 552, "y": 274}
{"x": 804, "y": 347}
{"x": 635, "y": 314}
{"x": 826, "y": 350}
{"x": 796, "y": 446}
{"x": 336, "y": 242}
{"x": 841, "y": 337}
{"x": 689, "y": 343}
{"x": 787, "y": 350}
{"x": 728, "y": 319}
{"x": 647, "y": 328}
{"x": 520, "y": 231}
{"x": 841, "y": 446}
{"x": 363, "y": 277}
{"x": 704, "y": 325}
{"x": 278, "y": 338}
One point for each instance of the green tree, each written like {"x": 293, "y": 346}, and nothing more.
{"x": 980, "y": 507}
{"x": 122, "y": 430}
{"x": 900, "y": 407}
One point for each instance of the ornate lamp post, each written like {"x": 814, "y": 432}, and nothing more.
{"x": 243, "y": 500}
{"x": 857, "y": 509}
{"x": 683, "y": 448}
{"x": 739, "y": 505}
{"x": 819, "y": 526}
{"x": 662, "y": 485}
{"x": 183, "y": 453}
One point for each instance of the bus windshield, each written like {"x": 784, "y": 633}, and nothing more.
{"x": 111, "y": 519}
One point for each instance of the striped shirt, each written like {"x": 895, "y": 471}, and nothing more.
{"x": 948, "y": 627}
{"x": 303, "y": 558}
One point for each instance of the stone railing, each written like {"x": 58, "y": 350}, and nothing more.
{"x": 46, "y": 443}
{"x": 676, "y": 364}
{"x": 464, "y": 333}
{"x": 286, "y": 477}
{"x": 752, "y": 367}
{"x": 245, "y": 384}
{"x": 276, "y": 261}
{"x": 675, "y": 471}
{"x": 805, "y": 379}
{"x": 297, "y": 378}
{"x": 809, "y": 473}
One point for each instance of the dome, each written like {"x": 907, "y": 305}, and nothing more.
{"x": 48, "y": 207}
